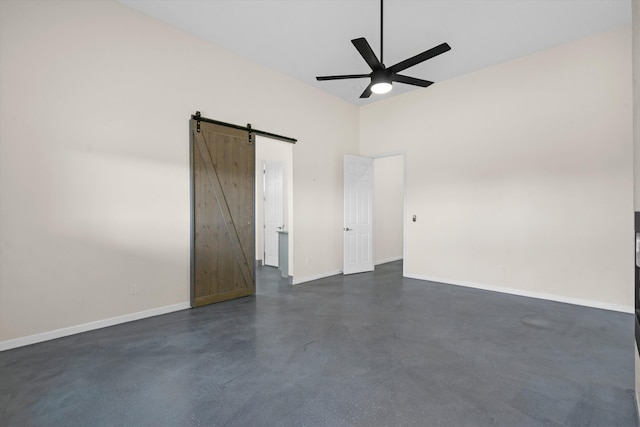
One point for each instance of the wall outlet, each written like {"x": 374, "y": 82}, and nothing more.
{"x": 133, "y": 289}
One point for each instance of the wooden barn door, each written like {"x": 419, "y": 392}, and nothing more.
{"x": 223, "y": 192}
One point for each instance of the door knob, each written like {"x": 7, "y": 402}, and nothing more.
{"x": 347, "y": 229}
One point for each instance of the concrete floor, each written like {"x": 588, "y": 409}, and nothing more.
{"x": 371, "y": 349}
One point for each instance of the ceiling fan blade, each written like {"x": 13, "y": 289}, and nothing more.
{"x": 367, "y": 91}
{"x": 367, "y": 53}
{"x": 410, "y": 80}
{"x": 346, "y": 76}
{"x": 428, "y": 54}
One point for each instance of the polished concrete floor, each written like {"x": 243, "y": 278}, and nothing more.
{"x": 371, "y": 349}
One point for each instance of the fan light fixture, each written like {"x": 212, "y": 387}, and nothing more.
{"x": 382, "y": 87}
{"x": 380, "y": 81}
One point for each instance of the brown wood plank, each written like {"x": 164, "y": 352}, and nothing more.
{"x": 211, "y": 299}
{"x": 222, "y": 203}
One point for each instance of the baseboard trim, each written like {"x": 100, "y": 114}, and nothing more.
{"x": 384, "y": 261}
{"x": 85, "y": 327}
{"x": 297, "y": 281}
{"x": 523, "y": 293}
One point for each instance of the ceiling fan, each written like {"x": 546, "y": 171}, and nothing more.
{"x": 381, "y": 76}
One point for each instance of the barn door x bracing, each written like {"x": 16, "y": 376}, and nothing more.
{"x": 223, "y": 192}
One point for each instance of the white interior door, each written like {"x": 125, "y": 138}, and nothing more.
{"x": 358, "y": 214}
{"x": 273, "y": 209}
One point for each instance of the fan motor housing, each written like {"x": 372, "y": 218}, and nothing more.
{"x": 381, "y": 76}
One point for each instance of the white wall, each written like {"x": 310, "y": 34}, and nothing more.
{"x": 635, "y": 57}
{"x": 273, "y": 150}
{"x": 635, "y": 15}
{"x": 512, "y": 166}
{"x": 94, "y": 170}
{"x": 388, "y": 204}
{"x": 521, "y": 174}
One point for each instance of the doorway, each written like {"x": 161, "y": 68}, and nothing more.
{"x": 388, "y": 207}
{"x": 273, "y": 187}
{"x": 272, "y": 155}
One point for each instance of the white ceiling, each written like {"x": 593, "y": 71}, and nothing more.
{"x": 308, "y": 38}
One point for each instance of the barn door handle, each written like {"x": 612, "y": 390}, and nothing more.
{"x": 347, "y": 229}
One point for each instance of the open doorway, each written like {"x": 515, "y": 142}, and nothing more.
{"x": 388, "y": 207}
{"x": 274, "y": 211}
